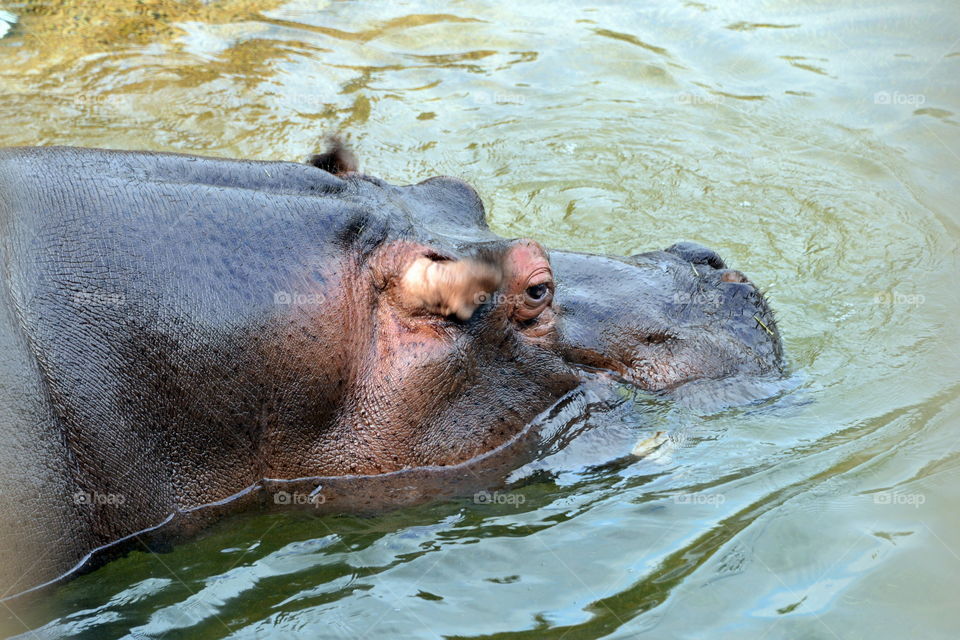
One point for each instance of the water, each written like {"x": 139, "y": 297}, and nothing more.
{"x": 814, "y": 145}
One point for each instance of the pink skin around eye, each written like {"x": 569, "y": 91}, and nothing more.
{"x": 527, "y": 266}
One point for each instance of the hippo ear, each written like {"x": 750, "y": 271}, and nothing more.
{"x": 449, "y": 205}
{"x": 338, "y": 159}
{"x": 448, "y": 287}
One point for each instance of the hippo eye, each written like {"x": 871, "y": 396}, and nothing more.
{"x": 538, "y": 291}
{"x": 535, "y": 299}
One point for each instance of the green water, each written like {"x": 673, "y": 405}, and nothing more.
{"x": 815, "y": 145}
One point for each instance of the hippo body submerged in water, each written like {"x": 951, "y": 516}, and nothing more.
{"x": 175, "y": 330}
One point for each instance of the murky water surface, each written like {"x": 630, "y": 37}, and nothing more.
{"x": 815, "y": 145}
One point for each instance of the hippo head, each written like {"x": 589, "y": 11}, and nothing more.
{"x": 463, "y": 337}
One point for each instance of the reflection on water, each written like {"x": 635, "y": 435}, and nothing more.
{"x": 815, "y": 146}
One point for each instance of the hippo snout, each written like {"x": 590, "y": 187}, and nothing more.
{"x": 734, "y": 276}
{"x": 665, "y": 317}
{"x": 697, "y": 254}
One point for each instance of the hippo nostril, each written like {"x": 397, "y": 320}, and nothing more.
{"x": 732, "y": 275}
{"x": 697, "y": 254}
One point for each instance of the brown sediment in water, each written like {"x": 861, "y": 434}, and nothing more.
{"x": 93, "y": 26}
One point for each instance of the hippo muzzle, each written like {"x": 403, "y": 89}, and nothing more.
{"x": 663, "y": 318}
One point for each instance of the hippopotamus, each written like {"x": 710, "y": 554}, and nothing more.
{"x": 178, "y": 332}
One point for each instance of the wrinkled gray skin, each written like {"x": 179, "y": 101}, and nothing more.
{"x": 147, "y": 349}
